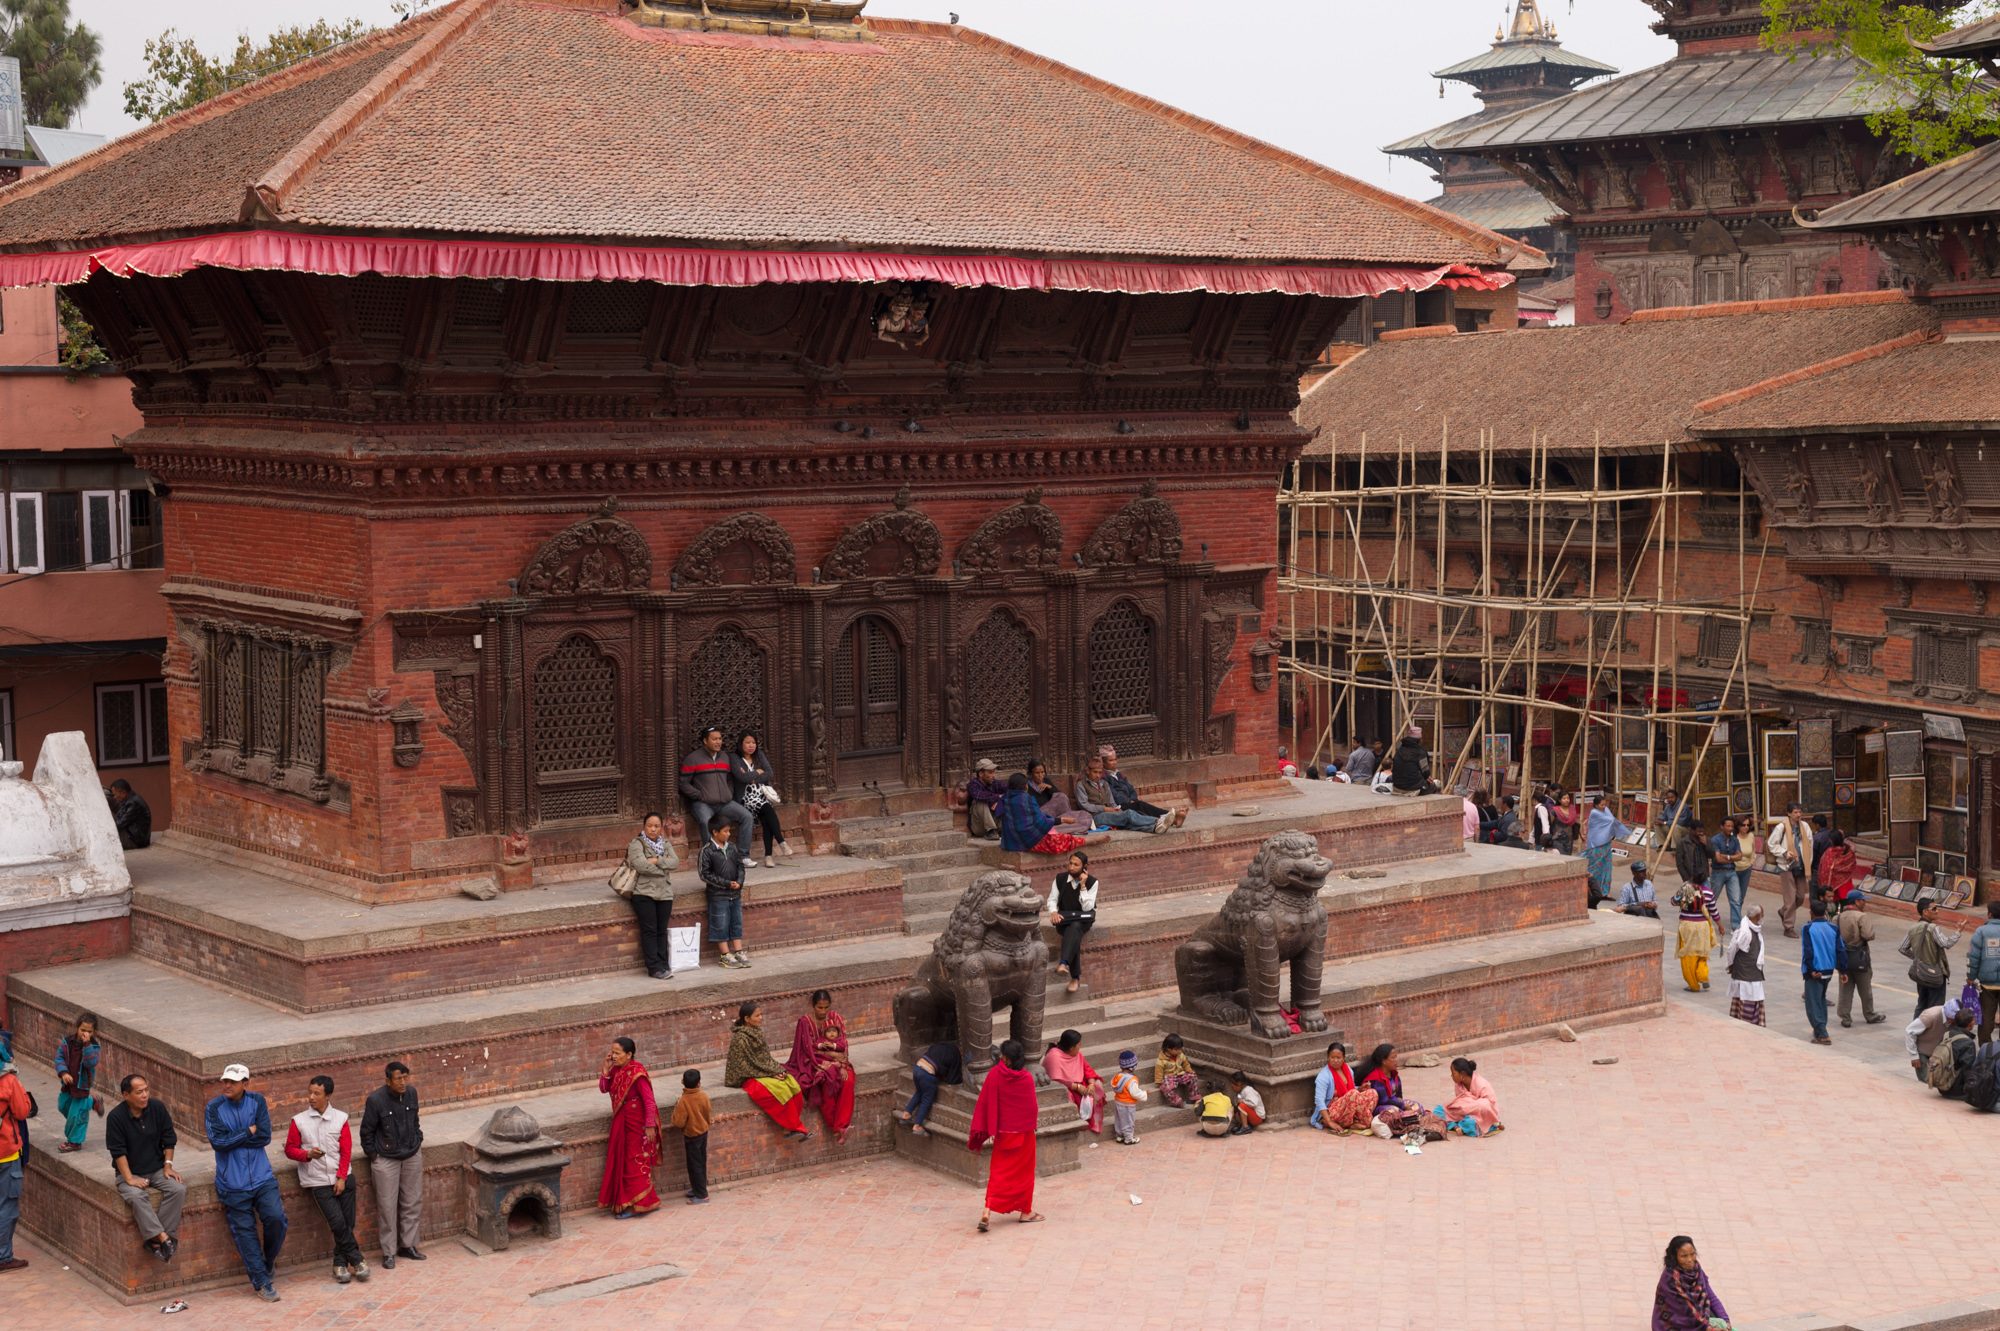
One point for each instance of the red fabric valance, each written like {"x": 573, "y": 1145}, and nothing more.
{"x": 348, "y": 256}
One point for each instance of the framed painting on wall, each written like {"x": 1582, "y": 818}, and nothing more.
{"x": 1903, "y": 840}
{"x": 1632, "y": 733}
{"x": 1632, "y": 773}
{"x": 1843, "y": 819}
{"x": 1712, "y": 809}
{"x": 1781, "y": 751}
{"x": 1868, "y": 768}
{"x": 1904, "y": 752}
{"x": 1937, "y": 776}
{"x": 1951, "y": 830}
{"x": 1962, "y": 887}
{"x": 1843, "y": 768}
{"x": 1952, "y": 864}
{"x": 1843, "y": 794}
{"x": 1930, "y": 859}
{"x": 1845, "y": 744}
{"x": 1712, "y": 776}
{"x": 1780, "y": 793}
{"x": 1906, "y": 799}
{"x": 1961, "y": 781}
{"x": 1816, "y": 789}
{"x": 1739, "y": 767}
{"x": 1868, "y": 810}
{"x": 1816, "y": 742}
{"x": 1742, "y": 800}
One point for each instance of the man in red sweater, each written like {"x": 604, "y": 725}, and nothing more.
{"x": 14, "y": 1109}
{"x": 324, "y": 1147}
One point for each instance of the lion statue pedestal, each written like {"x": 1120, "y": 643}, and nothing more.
{"x": 990, "y": 956}
{"x": 1231, "y": 971}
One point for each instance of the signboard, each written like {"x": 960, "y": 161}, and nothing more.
{"x": 13, "y": 120}
{"x": 1944, "y": 727}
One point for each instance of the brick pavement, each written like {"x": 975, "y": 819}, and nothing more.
{"x": 1556, "y": 1223}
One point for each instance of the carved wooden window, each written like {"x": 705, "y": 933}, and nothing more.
{"x": 1719, "y": 639}
{"x": 1860, "y": 653}
{"x": 608, "y": 309}
{"x": 1815, "y": 642}
{"x": 263, "y": 707}
{"x": 868, "y": 688}
{"x": 574, "y": 696}
{"x": 727, "y": 686}
{"x": 1000, "y": 693}
{"x": 1122, "y": 678}
{"x": 1947, "y": 664}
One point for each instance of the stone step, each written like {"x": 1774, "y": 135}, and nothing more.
{"x": 917, "y": 822}
{"x": 310, "y": 951}
{"x": 940, "y": 883}
{"x": 915, "y": 844}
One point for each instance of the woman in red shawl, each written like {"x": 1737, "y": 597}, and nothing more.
{"x": 820, "y": 1065}
{"x": 634, "y": 1145}
{"x": 1836, "y": 867}
{"x": 1006, "y": 1113}
{"x": 1069, "y": 1069}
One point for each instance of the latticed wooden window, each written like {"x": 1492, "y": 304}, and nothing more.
{"x": 1946, "y": 663}
{"x": 225, "y": 679}
{"x": 727, "y": 686}
{"x": 868, "y": 688}
{"x": 1000, "y": 693}
{"x": 263, "y": 695}
{"x": 1815, "y": 641}
{"x": 574, "y": 696}
{"x": 268, "y": 699}
{"x": 1122, "y": 675}
{"x": 1719, "y": 640}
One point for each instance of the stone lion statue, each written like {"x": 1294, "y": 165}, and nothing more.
{"x": 990, "y": 955}
{"x": 1228, "y": 970}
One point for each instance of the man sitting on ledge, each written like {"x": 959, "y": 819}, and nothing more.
{"x": 1093, "y": 795}
{"x": 139, "y": 1133}
{"x": 1126, "y": 797}
{"x": 982, "y": 799}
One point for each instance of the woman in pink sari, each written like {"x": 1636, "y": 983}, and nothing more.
{"x": 1069, "y": 1069}
{"x": 1473, "y": 1108}
{"x": 634, "y": 1145}
{"x": 820, "y": 1065}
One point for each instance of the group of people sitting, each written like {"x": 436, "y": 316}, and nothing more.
{"x": 1368, "y": 1098}
{"x": 1028, "y": 812}
{"x": 1407, "y": 771}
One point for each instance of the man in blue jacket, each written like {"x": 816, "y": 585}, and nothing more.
{"x": 239, "y": 1129}
{"x": 1821, "y": 953}
{"x": 1982, "y": 967}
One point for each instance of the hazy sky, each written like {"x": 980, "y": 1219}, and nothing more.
{"x": 1331, "y": 79}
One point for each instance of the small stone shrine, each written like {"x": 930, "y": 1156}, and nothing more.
{"x": 514, "y": 1168}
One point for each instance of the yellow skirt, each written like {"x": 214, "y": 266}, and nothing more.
{"x": 1697, "y": 939}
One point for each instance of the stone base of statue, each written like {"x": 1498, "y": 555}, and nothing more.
{"x": 1282, "y": 1070}
{"x": 1059, "y": 1134}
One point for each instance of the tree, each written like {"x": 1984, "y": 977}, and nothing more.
{"x": 60, "y": 63}
{"x": 180, "y": 75}
{"x": 1943, "y": 107}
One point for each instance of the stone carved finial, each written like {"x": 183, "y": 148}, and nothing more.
{"x": 990, "y": 955}
{"x": 1229, "y": 970}
{"x": 512, "y": 1124}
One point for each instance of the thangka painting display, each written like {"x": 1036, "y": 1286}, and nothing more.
{"x": 1868, "y": 810}
{"x": 1906, "y": 799}
{"x": 1742, "y": 800}
{"x": 1961, "y": 782}
{"x": 1711, "y": 777}
{"x": 1843, "y": 792}
{"x": 1816, "y": 789}
{"x": 1905, "y": 752}
{"x": 1632, "y": 733}
{"x": 1781, "y": 751}
{"x": 1953, "y": 865}
{"x": 1843, "y": 768}
{"x": 1951, "y": 831}
{"x": 1845, "y": 745}
{"x": 1780, "y": 794}
{"x": 1930, "y": 860}
{"x": 1937, "y": 776}
{"x": 1712, "y": 809}
{"x": 1902, "y": 840}
{"x": 1632, "y": 772}
{"x": 1816, "y": 742}
{"x": 1961, "y": 888}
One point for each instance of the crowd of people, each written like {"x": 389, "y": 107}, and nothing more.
{"x": 1026, "y": 811}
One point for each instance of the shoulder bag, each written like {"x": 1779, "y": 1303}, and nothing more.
{"x": 623, "y": 879}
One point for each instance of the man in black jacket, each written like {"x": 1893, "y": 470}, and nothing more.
{"x": 394, "y": 1140}
{"x": 1410, "y": 770}
{"x": 133, "y": 817}
{"x": 706, "y": 785}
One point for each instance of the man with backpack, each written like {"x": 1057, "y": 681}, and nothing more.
{"x": 1857, "y": 932}
{"x": 1952, "y": 1059}
{"x": 1982, "y": 967}
{"x": 15, "y": 1110}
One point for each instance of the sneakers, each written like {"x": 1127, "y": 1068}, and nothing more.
{"x": 341, "y": 1275}
{"x": 361, "y": 1272}
{"x": 1163, "y": 823}
{"x": 742, "y": 959}
{"x": 1877, "y": 1019}
{"x": 785, "y": 848}
{"x": 730, "y": 961}
{"x": 269, "y": 1294}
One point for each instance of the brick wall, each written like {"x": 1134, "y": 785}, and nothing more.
{"x": 59, "y": 945}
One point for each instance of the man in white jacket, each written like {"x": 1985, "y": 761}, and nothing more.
{"x": 1790, "y": 846}
{"x": 324, "y": 1147}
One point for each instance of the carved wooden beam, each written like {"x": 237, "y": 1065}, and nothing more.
{"x": 1884, "y": 170}
{"x": 1562, "y": 172}
{"x": 1742, "y": 185}
{"x": 677, "y": 327}
{"x": 1543, "y": 183}
{"x": 1676, "y": 186}
{"x": 1618, "y": 177}
{"x": 1845, "y": 164}
{"x": 1916, "y": 254}
{"x": 1794, "y": 186}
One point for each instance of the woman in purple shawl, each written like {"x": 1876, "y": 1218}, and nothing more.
{"x": 820, "y": 1065}
{"x": 1685, "y": 1301}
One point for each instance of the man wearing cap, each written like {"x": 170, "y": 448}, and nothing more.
{"x": 1410, "y": 770}
{"x": 14, "y": 1107}
{"x": 239, "y": 1131}
{"x": 982, "y": 799}
{"x": 1922, "y": 1036}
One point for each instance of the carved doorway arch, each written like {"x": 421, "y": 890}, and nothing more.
{"x": 869, "y": 704}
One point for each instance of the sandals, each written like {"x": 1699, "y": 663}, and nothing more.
{"x": 1033, "y": 1218}
{"x": 1071, "y": 987}
{"x": 983, "y": 1227}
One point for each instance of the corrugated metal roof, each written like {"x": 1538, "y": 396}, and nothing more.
{"x": 1967, "y": 185}
{"x": 1524, "y": 55}
{"x": 56, "y": 146}
{"x": 1425, "y": 144}
{"x": 1737, "y": 88}
{"x": 1977, "y": 38}
{"x": 1504, "y": 207}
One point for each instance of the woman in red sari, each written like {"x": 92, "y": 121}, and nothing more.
{"x": 1006, "y": 1114}
{"x": 820, "y": 1065}
{"x": 1069, "y": 1069}
{"x": 634, "y": 1145}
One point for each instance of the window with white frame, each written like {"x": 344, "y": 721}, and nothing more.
{"x": 21, "y": 534}
{"x": 131, "y": 724}
{"x": 7, "y": 726}
{"x": 105, "y": 540}
{"x": 60, "y": 531}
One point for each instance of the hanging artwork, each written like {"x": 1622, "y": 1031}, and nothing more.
{"x": 1816, "y": 742}
{"x": 1902, "y": 840}
{"x": 1712, "y": 809}
{"x": 1961, "y": 781}
{"x": 1843, "y": 768}
{"x": 1781, "y": 751}
{"x": 1712, "y": 776}
{"x": 1632, "y": 733}
{"x": 1951, "y": 830}
{"x": 1937, "y": 775}
{"x": 1930, "y": 860}
{"x": 1906, "y": 799}
{"x": 1961, "y": 885}
{"x": 1843, "y": 793}
{"x": 1868, "y": 810}
{"x": 1843, "y": 819}
{"x": 1632, "y": 773}
{"x": 1845, "y": 744}
{"x": 1816, "y": 789}
{"x": 1868, "y": 768}
{"x": 1905, "y": 750}
{"x": 1742, "y": 800}
{"x": 1780, "y": 793}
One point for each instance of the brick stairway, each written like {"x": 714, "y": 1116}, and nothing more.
{"x": 514, "y": 1000}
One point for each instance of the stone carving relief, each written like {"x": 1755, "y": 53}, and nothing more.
{"x": 1799, "y": 488}
{"x": 1028, "y": 536}
{"x": 457, "y": 694}
{"x": 599, "y": 556}
{"x": 1145, "y": 531}
{"x": 1941, "y": 486}
{"x": 990, "y": 955}
{"x": 406, "y": 723}
{"x": 1274, "y": 917}
{"x": 902, "y": 543}
{"x": 747, "y": 550}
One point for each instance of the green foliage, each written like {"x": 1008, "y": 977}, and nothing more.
{"x": 79, "y": 347}
{"x": 179, "y": 74}
{"x": 60, "y": 62}
{"x": 1941, "y": 107}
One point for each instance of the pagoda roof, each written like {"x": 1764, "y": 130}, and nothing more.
{"x": 1424, "y": 145}
{"x": 1978, "y": 38}
{"x": 1505, "y": 205}
{"x": 1515, "y": 54}
{"x": 548, "y": 121}
{"x": 1724, "y": 90}
{"x": 1931, "y": 385}
{"x": 1627, "y": 387}
{"x": 1965, "y": 186}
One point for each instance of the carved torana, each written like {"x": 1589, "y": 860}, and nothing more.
{"x": 1145, "y": 531}
{"x": 748, "y": 550}
{"x": 1027, "y": 536}
{"x": 596, "y": 557}
{"x": 901, "y": 543}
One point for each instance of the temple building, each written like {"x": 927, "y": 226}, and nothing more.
{"x": 1526, "y": 66}
{"x": 1677, "y": 184}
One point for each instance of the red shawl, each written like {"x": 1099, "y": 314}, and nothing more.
{"x": 809, "y": 1064}
{"x": 1836, "y": 868}
{"x": 1006, "y": 1104}
{"x": 631, "y": 1091}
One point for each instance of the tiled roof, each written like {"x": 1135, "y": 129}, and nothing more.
{"x": 1631, "y": 387}
{"x": 1967, "y": 185}
{"x": 1524, "y": 55}
{"x": 1694, "y": 93}
{"x": 1980, "y": 37}
{"x": 1555, "y": 291}
{"x": 560, "y": 118}
{"x": 1504, "y": 206}
{"x": 1934, "y": 385}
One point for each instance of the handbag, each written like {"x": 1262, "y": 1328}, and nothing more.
{"x": 623, "y": 879}
{"x": 770, "y": 795}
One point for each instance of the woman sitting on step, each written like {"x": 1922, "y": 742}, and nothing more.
{"x": 1054, "y": 803}
{"x": 1069, "y": 1069}
{"x": 820, "y": 1064}
{"x": 1023, "y": 825}
{"x": 768, "y": 1085}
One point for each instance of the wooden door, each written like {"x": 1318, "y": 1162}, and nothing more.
{"x": 869, "y": 698}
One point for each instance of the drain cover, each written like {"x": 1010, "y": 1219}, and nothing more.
{"x": 612, "y": 1284}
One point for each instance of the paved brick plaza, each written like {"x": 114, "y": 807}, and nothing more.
{"x": 1751, "y": 1141}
